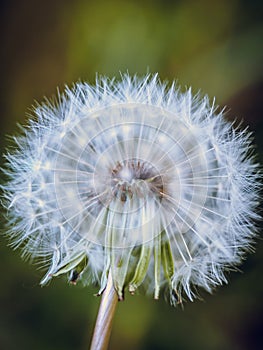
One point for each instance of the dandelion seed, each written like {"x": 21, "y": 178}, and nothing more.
{"x": 136, "y": 180}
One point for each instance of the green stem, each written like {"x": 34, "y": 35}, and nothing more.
{"x": 102, "y": 330}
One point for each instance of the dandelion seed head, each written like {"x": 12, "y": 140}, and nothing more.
{"x": 135, "y": 177}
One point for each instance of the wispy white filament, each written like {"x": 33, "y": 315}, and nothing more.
{"x": 136, "y": 177}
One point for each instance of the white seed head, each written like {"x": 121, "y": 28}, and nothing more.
{"x": 135, "y": 177}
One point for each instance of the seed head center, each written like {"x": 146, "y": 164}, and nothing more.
{"x": 126, "y": 174}
{"x": 135, "y": 177}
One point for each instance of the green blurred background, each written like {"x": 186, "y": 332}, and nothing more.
{"x": 214, "y": 46}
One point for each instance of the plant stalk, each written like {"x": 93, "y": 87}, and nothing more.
{"x": 102, "y": 330}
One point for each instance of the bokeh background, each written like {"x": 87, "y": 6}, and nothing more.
{"x": 214, "y": 46}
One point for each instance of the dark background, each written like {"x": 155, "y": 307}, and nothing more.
{"x": 214, "y": 46}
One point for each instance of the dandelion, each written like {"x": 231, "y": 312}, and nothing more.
{"x": 135, "y": 185}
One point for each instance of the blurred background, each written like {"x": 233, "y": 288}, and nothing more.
{"x": 214, "y": 46}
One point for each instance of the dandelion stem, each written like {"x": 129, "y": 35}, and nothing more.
{"x": 102, "y": 330}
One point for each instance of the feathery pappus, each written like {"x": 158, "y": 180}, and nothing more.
{"x": 136, "y": 178}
